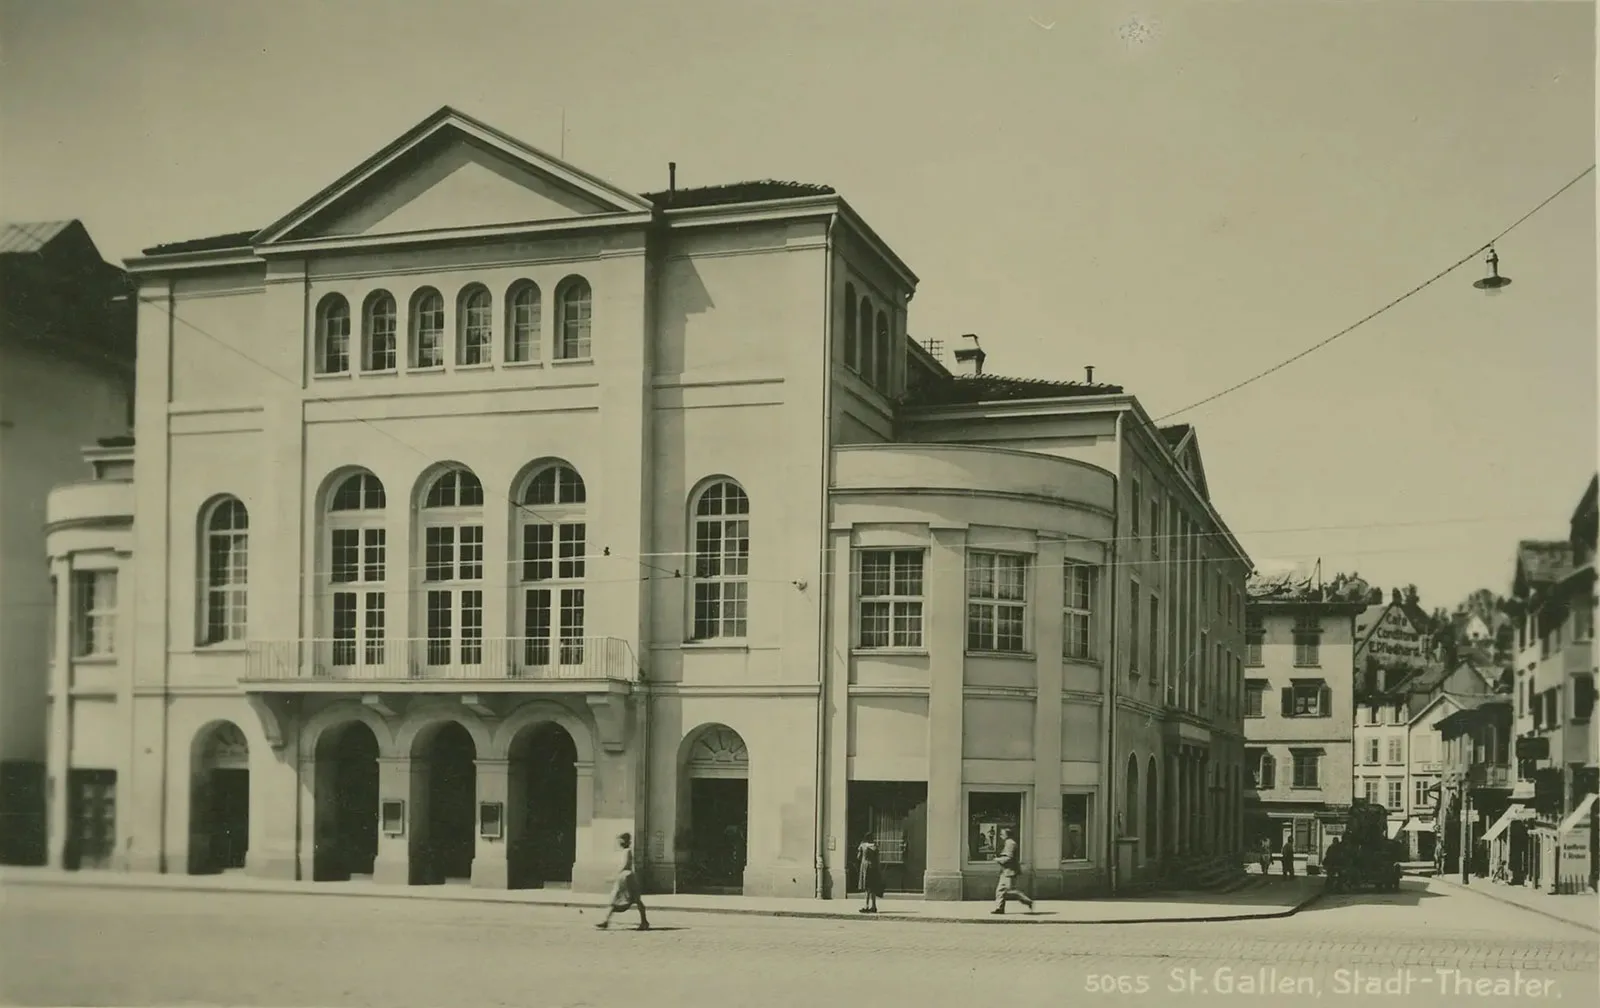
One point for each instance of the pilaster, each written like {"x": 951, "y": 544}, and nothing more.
{"x": 393, "y": 865}
{"x": 946, "y": 580}
{"x": 595, "y": 841}
{"x": 58, "y": 752}
{"x": 490, "y": 860}
{"x": 1049, "y": 590}
{"x": 838, "y": 663}
{"x": 275, "y": 788}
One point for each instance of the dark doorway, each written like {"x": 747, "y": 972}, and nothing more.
{"x": 545, "y": 765}
{"x": 230, "y": 818}
{"x": 896, "y": 812}
{"x": 91, "y": 818}
{"x": 452, "y": 804}
{"x": 347, "y": 827}
{"x": 719, "y": 811}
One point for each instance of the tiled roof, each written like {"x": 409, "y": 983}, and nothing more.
{"x": 990, "y": 387}
{"x": 1544, "y": 561}
{"x": 1175, "y": 433}
{"x": 215, "y": 243}
{"x": 736, "y": 192}
{"x": 25, "y": 237}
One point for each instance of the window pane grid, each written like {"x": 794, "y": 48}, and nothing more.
{"x": 382, "y": 321}
{"x": 995, "y": 602}
{"x": 576, "y": 309}
{"x": 335, "y": 336}
{"x": 476, "y": 329}
{"x": 1077, "y": 616}
{"x": 430, "y": 330}
{"x": 523, "y": 338}
{"x": 890, "y": 599}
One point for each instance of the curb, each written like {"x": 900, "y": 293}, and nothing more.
{"x": 1489, "y": 894}
{"x": 597, "y": 903}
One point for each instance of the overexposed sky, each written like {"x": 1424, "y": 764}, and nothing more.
{"x": 1178, "y": 193}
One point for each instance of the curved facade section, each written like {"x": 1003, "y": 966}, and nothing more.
{"x": 970, "y": 618}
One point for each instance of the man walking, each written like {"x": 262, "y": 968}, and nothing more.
{"x": 1010, "y": 864}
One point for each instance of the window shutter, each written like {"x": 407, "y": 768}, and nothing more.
{"x": 1287, "y": 697}
{"x": 1325, "y": 701}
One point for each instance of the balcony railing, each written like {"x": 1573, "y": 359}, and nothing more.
{"x": 1489, "y": 775}
{"x": 413, "y": 659}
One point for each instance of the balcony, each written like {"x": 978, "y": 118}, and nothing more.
{"x": 592, "y": 664}
{"x": 1489, "y": 775}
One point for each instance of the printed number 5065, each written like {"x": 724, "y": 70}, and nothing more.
{"x": 1105, "y": 983}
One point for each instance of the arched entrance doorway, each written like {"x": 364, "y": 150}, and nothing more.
{"x": 543, "y": 792}
{"x": 715, "y": 802}
{"x": 346, "y": 803}
{"x": 451, "y": 806}
{"x": 1130, "y": 807}
{"x": 219, "y": 810}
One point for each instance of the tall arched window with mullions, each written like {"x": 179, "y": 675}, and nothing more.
{"x": 850, "y": 325}
{"x": 475, "y": 326}
{"x": 864, "y": 341}
{"x": 574, "y": 319}
{"x": 452, "y": 569}
{"x": 226, "y": 580}
{"x": 427, "y": 329}
{"x": 333, "y": 335}
{"x": 355, "y": 579}
{"x": 721, "y": 562}
{"x": 378, "y": 323}
{"x": 553, "y": 532}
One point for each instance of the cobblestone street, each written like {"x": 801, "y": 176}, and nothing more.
{"x": 85, "y": 946}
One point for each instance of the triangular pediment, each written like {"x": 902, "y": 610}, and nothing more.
{"x": 451, "y": 172}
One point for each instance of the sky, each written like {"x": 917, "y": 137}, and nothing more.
{"x": 1179, "y": 194}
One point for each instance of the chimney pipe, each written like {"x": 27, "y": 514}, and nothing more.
{"x": 672, "y": 176}
{"x": 1088, "y": 375}
{"x": 974, "y": 354}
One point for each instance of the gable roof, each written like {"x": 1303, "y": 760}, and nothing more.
{"x": 1442, "y": 698}
{"x": 449, "y": 120}
{"x": 1540, "y": 563}
{"x": 27, "y": 237}
{"x": 1175, "y": 434}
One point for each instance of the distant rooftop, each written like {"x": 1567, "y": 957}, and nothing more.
{"x": 977, "y": 388}
{"x": 24, "y": 237}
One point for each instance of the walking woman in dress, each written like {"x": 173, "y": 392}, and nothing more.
{"x": 871, "y": 876}
{"x": 625, "y": 890}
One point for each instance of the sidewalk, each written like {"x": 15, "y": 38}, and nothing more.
{"x": 1582, "y": 909}
{"x": 1263, "y": 899}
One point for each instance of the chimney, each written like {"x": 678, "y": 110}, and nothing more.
{"x": 973, "y": 355}
{"x": 1088, "y": 375}
{"x": 672, "y": 176}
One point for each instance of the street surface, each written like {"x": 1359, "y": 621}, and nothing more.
{"x": 82, "y": 946}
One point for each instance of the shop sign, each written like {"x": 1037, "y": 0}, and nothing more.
{"x": 1395, "y": 641}
{"x": 1573, "y": 853}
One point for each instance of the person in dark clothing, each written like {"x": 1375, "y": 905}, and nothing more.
{"x": 870, "y": 873}
{"x": 1287, "y": 853}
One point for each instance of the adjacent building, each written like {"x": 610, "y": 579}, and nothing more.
{"x": 1475, "y": 799}
{"x": 1391, "y": 645}
{"x": 1553, "y": 599}
{"x": 484, "y": 510}
{"x": 1380, "y": 732}
{"x": 1299, "y": 693}
{"x": 66, "y": 378}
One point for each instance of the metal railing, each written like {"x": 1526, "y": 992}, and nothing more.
{"x": 453, "y": 659}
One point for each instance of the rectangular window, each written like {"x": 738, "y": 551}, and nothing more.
{"x": 1369, "y": 790}
{"x": 1306, "y": 765}
{"x": 94, "y": 607}
{"x": 1136, "y": 506}
{"x": 344, "y": 628}
{"x": 996, "y": 601}
{"x": 439, "y": 553}
{"x": 375, "y": 619}
{"x": 572, "y": 620}
{"x": 1075, "y": 827}
{"x": 1307, "y": 641}
{"x": 1421, "y": 796}
{"x": 1154, "y": 655}
{"x": 1397, "y": 795}
{"x": 989, "y": 813}
{"x": 1254, "y": 691}
{"x": 1396, "y": 747}
{"x": 1371, "y": 752}
{"x": 357, "y": 556}
{"x": 1155, "y": 528}
{"x": 440, "y": 617}
{"x": 890, "y": 599}
{"x": 1078, "y": 611}
{"x": 1134, "y": 639}
{"x": 472, "y": 627}
{"x": 1255, "y": 635}
{"x": 722, "y": 569}
{"x": 1306, "y": 699}
{"x": 536, "y": 627}
{"x": 1203, "y": 661}
{"x": 1263, "y": 769}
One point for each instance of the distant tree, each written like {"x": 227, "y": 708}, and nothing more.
{"x": 1411, "y": 597}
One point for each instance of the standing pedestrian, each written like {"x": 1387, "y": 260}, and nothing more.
{"x": 1010, "y": 864}
{"x": 1288, "y": 856}
{"x": 1264, "y": 855}
{"x": 870, "y": 874}
{"x": 625, "y": 890}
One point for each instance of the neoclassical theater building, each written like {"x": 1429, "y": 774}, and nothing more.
{"x": 478, "y": 510}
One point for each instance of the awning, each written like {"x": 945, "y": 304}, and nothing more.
{"x": 1394, "y": 829}
{"x": 1503, "y": 823}
{"x": 1419, "y": 826}
{"x": 1578, "y": 815}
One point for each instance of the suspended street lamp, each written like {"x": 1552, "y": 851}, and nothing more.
{"x": 1494, "y": 282}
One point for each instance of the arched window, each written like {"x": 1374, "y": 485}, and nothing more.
{"x": 721, "y": 562}
{"x": 1130, "y": 805}
{"x": 475, "y": 326}
{"x": 553, "y": 531}
{"x": 333, "y": 335}
{"x": 378, "y": 324}
{"x": 226, "y": 579}
{"x": 880, "y": 348}
{"x": 574, "y": 309}
{"x": 357, "y": 572}
{"x": 864, "y": 340}
{"x": 850, "y": 325}
{"x": 1265, "y": 772}
{"x": 452, "y": 568}
{"x": 427, "y": 329}
{"x": 522, "y": 323}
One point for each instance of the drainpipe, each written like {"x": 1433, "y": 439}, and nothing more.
{"x": 824, "y": 586}
{"x": 1114, "y": 586}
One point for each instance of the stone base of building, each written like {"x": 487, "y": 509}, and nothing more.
{"x": 280, "y": 865}
{"x": 792, "y": 880}
{"x": 943, "y": 886}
